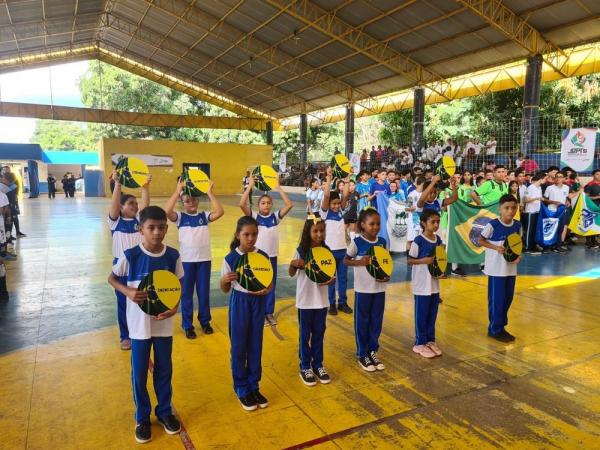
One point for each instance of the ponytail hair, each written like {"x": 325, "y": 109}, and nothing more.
{"x": 241, "y": 223}
{"x": 364, "y": 215}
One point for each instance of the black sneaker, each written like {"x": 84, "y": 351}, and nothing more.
{"x": 143, "y": 432}
{"x": 378, "y": 364}
{"x": 322, "y": 375}
{"x": 366, "y": 364}
{"x": 500, "y": 337}
{"x": 248, "y": 402}
{"x": 332, "y": 310}
{"x": 207, "y": 329}
{"x": 308, "y": 377}
{"x": 260, "y": 399}
{"x": 190, "y": 333}
{"x": 459, "y": 272}
{"x": 20, "y": 235}
{"x": 170, "y": 423}
{"x": 508, "y": 336}
{"x": 344, "y": 308}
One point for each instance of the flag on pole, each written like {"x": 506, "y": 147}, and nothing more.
{"x": 382, "y": 209}
{"x": 548, "y": 226}
{"x": 396, "y": 225}
{"x": 465, "y": 224}
{"x": 586, "y": 217}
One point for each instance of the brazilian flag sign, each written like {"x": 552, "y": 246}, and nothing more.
{"x": 465, "y": 224}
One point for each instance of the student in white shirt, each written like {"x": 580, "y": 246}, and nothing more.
{"x": 312, "y": 304}
{"x": 268, "y": 235}
{"x": 314, "y": 197}
{"x": 531, "y": 211}
{"x": 124, "y": 226}
{"x": 369, "y": 293}
{"x": 501, "y": 274}
{"x": 335, "y": 239}
{"x": 426, "y": 289}
{"x": 194, "y": 248}
{"x": 555, "y": 195}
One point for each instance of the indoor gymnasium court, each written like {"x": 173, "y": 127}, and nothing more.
{"x": 66, "y": 383}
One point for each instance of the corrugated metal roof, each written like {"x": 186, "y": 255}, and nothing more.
{"x": 264, "y": 56}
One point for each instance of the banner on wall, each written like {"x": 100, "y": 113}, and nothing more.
{"x": 577, "y": 149}
{"x": 355, "y": 162}
{"x": 150, "y": 160}
{"x": 396, "y": 225}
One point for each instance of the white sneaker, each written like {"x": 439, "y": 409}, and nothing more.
{"x": 434, "y": 348}
{"x": 378, "y": 364}
{"x": 424, "y": 351}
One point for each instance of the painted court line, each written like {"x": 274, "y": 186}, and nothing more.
{"x": 185, "y": 438}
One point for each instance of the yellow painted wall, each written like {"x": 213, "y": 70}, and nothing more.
{"x": 228, "y": 162}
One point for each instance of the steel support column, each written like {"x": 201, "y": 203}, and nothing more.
{"x": 303, "y": 137}
{"x": 418, "y": 120}
{"x": 349, "y": 128}
{"x": 269, "y": 133}
{"x": 531, "y": 104}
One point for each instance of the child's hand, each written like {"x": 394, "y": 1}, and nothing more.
{"x": 180, "y": 186}
{"x": 148, "y": 180}
{"x": 136, "y": 296}
{"x": 365, "y": 261}
{"x": 229, "y": 277}
{"x": 115, "y": 177}
{"x": 327, "y": 283}
{"x": 435, "y": 179}
{"x": 328, "y": 173}
{"x": 428, "y": 260}
{"x": 500, "y": 249}
{"x": 264, "y": 291}
{"x": 298, "y": 263}
{"x": 166, "y": 314}
{"x": 211, "y": 185}
{"x": 384, "y": 280}
{"x": 251, "y": 182}
{"x": 516, "y": 261}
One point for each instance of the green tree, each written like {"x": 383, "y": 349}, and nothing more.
{"x": 58, "y": 135}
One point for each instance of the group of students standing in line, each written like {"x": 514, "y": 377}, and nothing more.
{"x": 138, "y": 232}
{"x": 10, "y": 211}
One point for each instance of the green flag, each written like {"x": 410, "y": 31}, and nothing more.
{"x": 466, "y": 222}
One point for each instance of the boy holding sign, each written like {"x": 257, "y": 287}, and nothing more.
{"x": 147, "y": 331}
{"x": 501, "y": 265}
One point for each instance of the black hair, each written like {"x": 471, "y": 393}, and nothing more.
{"x": 124, "y": 198}
{"x": 519, "y": 171}
{"x": 488, "y": 171}
{"x": 364, "y": 215}
{"x": 509, "y": 189}
{"x": 506, "y": 198}
{"x": 426, "y": 215}
{"x": 478, "y": 180}
{"x": 405, "y": 172}
{"x": 562, "y": 172}
{"x": 462, "y": 178}
{"x": 551, "y": 168}
{"x": 595, "y": 171}
{"x": 499, "y": 166}
{"x": 363, "y": 172}
{"x": 390, "y": 171}
{"x": 428, "y": 170}
{"x": 305, "y": 239}
{"x": 420, "y": 180}
{"x": 241, "y": 223}
{"x": 333, "y": 195}
{"x": 152, "y": 213}
{"x": 538, "y": 176}
{"x": 263, "y": 196}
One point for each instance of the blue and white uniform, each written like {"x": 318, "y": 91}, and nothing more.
{"x": 268, "y": 242}
{"x": 362, "y": 189}
{"x": 194, "y": 245}
{"x": 125, "y": 235}
{"x": 146, "y": 332}
{"x": 369, "y": 299}
{"x": 501, "y": 274}
{"x": 312, "y": 303}
{"x": 426, "y": 290}
{"x": 246, "y": 325}
{"x": 335, "y": 239}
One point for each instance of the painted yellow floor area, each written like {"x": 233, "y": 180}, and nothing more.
{"x": 543, "y": 391}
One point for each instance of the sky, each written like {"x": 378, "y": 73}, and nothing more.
{"x": 33, "y": 86}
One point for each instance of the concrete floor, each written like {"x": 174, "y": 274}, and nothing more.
{"x": 66, "y": 384}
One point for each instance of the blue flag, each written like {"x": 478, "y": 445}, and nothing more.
{"x": 382, "y": 209}
{"x": 548, "y": 227}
